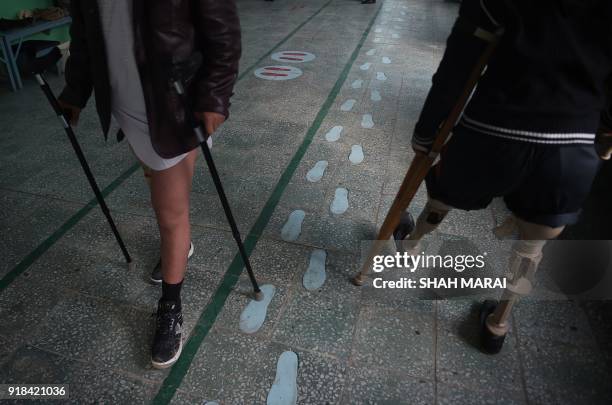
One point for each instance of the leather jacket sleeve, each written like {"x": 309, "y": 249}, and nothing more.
{"x": 79, "y": 80}
{"x": 217, "y": 30}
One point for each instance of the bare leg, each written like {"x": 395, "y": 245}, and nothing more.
{"x": 170, "y": 191}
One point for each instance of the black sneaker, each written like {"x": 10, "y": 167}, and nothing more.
{"x": 368, "y": 1}
{"x": 156, "y": 276}
{"x": 168, "y": 342}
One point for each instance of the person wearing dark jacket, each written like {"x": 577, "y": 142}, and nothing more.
{"x": 529, "y": 131}
{"x": 122, "y": 51}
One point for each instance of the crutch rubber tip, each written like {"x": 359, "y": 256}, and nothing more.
{"x": 258, "y": 295}
{"x": 490, "y": 342}
{"x": 358, "y": 280}
{"x": 131, "y": 265}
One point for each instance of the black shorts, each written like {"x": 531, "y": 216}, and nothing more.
{"x": 542, "y": 184}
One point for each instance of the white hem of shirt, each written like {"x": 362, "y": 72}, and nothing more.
{"x": 549, "y": 138}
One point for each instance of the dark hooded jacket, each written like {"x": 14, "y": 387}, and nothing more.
{"x": 166, "y": 32}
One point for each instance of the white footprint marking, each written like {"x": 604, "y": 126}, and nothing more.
{"x": 255, "y": 312}
{"x": 340, "y": 203}
{"x": 378, "y": 30}
{"x": 284, "y": 389}
{"x": 334, "y": 134}
{"x": 293, "y": 227}
{"x": 386, "y": 60}
{"x": 348, "y": 105}
{"x": 365, "y": 66}
{"x": 315, "y": 174}
{"x": 315, "y": 274}
{"x": 402, "y": 12}
{"x": 381, "y": 76}
{"x": 375, "y": 95}
{"x": 366, "y": 121}
{"x": 371, "y": 52}
{"x": 356, "y": 155}
{"x": 395, "y": 36}
{"x": 377, "y": 40}
{"x": 357, "y": 84}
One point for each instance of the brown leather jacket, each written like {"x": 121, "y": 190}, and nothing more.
{"x": 166, "y": 32}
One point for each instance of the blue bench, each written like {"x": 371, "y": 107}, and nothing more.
{"x": 16, "y": 36}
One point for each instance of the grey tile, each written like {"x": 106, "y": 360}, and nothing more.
{"x": 379, "y": 386}
{"x": 98, "y": 331}
{"x": 320, "y": 379}
{"x": 24, "y": 306}
{"x": 460, "y": 361}
{"x": 557, "y": 373}
{"x": 455, "y": 394}
{"x": 232, "y": 368}
{"x": 320, "y": 324}
{"x": 399, "y": 341}
{"x": 556, "y": 321}
{"x": 86, "y": 383}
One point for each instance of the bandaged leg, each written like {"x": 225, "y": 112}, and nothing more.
{"x": 524, "y": 260}
{"x": 432, "y": 215}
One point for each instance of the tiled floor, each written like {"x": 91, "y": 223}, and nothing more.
{"x": 75, "y": 315}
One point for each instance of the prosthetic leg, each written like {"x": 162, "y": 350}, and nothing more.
{"x": 525, "y": 258}
{"x": 397, "y": 216}
{"x": 408, "y": 235}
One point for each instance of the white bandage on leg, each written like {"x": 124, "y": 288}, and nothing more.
{"x": 429, "y": 219}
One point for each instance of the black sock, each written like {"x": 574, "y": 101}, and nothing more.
{"x": 171, "y": 292}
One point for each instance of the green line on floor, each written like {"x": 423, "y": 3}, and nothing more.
{"x": 207, "y": 318}
{"x": 72, "y": 221}
{"x": 299, "y": 27}
{"x": 66, "y": 226}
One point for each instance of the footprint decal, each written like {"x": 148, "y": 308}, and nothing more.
{"x": 357, "y": 84}
{"x": 340, "y": 203}
{"x": 315, "y": 274}
{"x": 254, "y": 315}
{"x": 356, "y": 155}
{"x": 375, "y": 95}
{"x": 381, "y": 76}
{"x": 365, "y": 66}
{"x": 371, "y": 52}
{"x": 293, "y": 227}
{"x": 395, "y": 36}
{"x": 315, "y": 174}
{"x": 386, "y": 60}
{"x": 348, "y": 105}
{"x": 378, "y": 30}
{"x": 366, "y": 121}
{"x": 334, "y": 134}
{"x": 284, "y": 389}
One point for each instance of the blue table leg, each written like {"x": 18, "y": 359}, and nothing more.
{"x": 7, "y": 62}
{"x": 13, "y": 62}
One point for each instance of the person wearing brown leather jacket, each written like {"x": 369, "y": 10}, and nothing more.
{"x": 122, "y": 50}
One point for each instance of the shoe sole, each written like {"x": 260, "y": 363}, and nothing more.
{"x": 169, "y": 363}
{"x": 191, "y": 250}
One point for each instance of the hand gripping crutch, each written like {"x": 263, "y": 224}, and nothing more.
{"x": 37, "y": 66}
{"x": 422, "y": 163}
{"x": 179, "y": 74}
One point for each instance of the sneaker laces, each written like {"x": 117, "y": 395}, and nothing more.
{"x": 166, "y": 319}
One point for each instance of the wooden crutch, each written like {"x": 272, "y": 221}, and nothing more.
{"x": 422, "y": 162}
